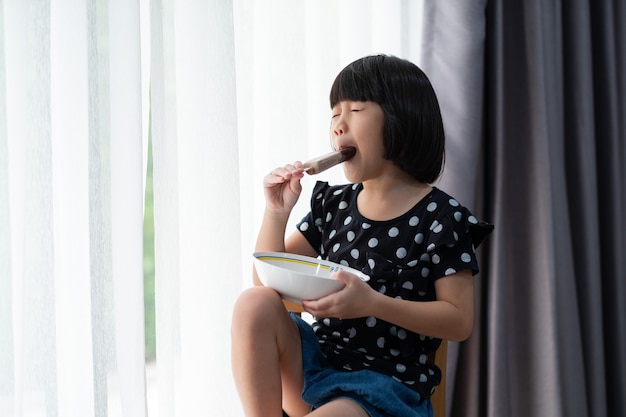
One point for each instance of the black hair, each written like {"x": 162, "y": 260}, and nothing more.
{"x": 413, "y": 134}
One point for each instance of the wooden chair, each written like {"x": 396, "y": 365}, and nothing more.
{"x": 438, "y": 399}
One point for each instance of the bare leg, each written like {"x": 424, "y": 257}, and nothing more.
{"x": 343, "y": 407}
{"x": 266, "y": 355}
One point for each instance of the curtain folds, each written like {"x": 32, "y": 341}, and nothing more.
{"x": 551, "y": 332}
{"x": 457, "y": 76}
{"x": 198, "y": 261}
{"x": 71, "y": 321}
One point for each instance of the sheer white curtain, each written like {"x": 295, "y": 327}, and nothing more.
{"x": 198, "y": 263}
{"x": 233, "y": 89}
{"x": 71, "y": 315}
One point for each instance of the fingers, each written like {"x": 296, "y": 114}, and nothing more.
{"x": 343, "y": 276}
{"x": 282, "y": 187}
{"x": 285, "y": 173}
{"x": 328, "y": 306}
{"x": 345, "y": 303}
{"x": 317, "y": 308}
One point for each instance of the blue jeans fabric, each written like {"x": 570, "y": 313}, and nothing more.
{"x": 379, "y": 394}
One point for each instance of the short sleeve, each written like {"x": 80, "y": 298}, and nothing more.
{"x": 452, "y": 241}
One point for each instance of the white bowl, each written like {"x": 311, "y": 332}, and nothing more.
{"x": 297, "y": 277}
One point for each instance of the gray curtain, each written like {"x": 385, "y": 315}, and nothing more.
{"x": 544, "y": 159}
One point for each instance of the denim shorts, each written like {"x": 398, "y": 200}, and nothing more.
{"x": 380, "y": 395}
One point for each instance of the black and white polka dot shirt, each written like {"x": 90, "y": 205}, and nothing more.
{"x": 403, "y": 256}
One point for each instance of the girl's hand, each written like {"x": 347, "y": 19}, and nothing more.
{"x": 282, "y": 187}
{"x": 350, "y": 302}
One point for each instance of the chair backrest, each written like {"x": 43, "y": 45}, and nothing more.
{"x": 438, "y": 399}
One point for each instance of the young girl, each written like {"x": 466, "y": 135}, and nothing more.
{"x": 370, "y": 351}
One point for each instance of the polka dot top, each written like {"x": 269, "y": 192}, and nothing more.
{"x": 403, "y": 257}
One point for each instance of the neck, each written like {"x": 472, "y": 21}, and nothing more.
{"x": 385, "y": 199}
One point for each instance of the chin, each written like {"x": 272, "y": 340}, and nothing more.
{"x": 350, "y": 175}
{"x": 353, "y": 179}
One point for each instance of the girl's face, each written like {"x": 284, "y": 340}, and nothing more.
{"x": 360, "y": 124}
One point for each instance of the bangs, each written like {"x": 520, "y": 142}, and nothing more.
{"x": 355, "y": 83}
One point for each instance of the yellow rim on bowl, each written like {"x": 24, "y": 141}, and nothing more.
{"x": 304, "y": 260}
{"x": 295, "y": 261}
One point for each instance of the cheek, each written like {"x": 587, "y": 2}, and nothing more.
{"x": 377, "y": 144}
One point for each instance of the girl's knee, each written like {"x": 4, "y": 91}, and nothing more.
{"x": 257, "y": 303}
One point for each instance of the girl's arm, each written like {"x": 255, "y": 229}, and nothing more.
{"x": 450, "y": 317}
{"x": 297, "y": 243}
{"x": 282, "y": 189}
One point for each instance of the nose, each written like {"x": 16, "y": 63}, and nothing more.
{"x": 339, "y": 127}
